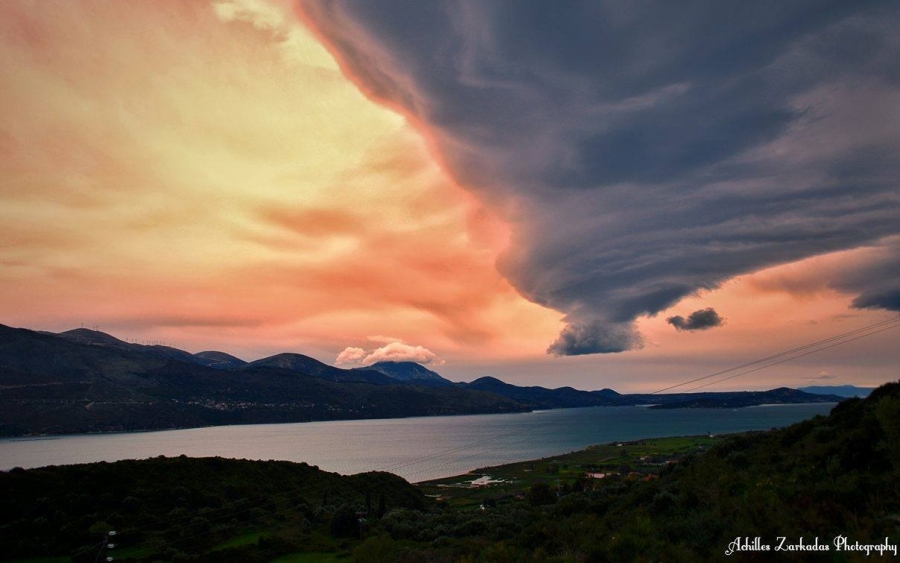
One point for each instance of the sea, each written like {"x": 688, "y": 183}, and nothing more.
{"x": 418, "y": 449}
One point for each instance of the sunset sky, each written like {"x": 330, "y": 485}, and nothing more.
{"x": 596, "y": 194}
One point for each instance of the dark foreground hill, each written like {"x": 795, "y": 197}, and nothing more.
{"x": 167, "y": 507}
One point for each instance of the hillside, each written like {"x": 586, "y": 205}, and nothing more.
{"x": 409, "y": 372}
{"x": 220, "y": 360}
{"x": 835, "y": 478}
{"x": 839, "y": 390}
{"x": 543, "y": 398}
{"x": 827, "y": 477}
{"x": 167, "y": 506}
{"x": 52, "y": 384}
{"x": 310, "y": 366}
{"x": 780, "y": 396}
{"x": 536, "y": 397}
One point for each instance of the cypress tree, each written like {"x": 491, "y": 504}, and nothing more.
{"x": 381, "y": 506}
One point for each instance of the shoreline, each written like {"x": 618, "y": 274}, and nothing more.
{"x": 419, "y": 448}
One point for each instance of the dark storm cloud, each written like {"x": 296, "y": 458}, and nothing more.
{"x": 643, "y": 151}
{"x": 887, "y": 299}
{"x": 577, "y": 339}
{"x": 877, "y": 280}
{"x": 698, "y": 320}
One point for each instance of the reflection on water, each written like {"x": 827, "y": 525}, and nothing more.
{"x": 417, "y": 449}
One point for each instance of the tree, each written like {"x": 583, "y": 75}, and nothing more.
{"x": 382, "y": 509}
{"x": 344, "y": 522}
{"x": 541, "y": 494}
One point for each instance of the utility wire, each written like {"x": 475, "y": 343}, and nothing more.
{"x": 793, "y": 357}
{"x": 892, "y": 321}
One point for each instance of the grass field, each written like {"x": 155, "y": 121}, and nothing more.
{"x": 642, "y": 459}
{"x": 237, "y": 541}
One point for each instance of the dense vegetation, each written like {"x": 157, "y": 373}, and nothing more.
{"x": 163, "y": 508}
{"x": 830, "y": 476}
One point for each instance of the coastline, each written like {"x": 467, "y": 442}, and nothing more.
{"x": 418, "y": 448}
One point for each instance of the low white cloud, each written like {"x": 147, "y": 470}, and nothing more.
{"x": 400, "y": 352}
{"x": 391, "y": 352}
{"x": 350, "y": 355}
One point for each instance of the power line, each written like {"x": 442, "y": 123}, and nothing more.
{"x": 893, "y": 322}
{"x": 793, "y": 357}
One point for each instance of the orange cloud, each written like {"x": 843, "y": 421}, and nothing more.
{"x": 203, "y": 174}
{"x": 315, "y": 223}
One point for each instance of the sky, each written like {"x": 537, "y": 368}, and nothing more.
{"x": 595, "y": 194}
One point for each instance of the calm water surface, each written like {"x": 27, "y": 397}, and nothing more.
{"x": 418, "y": 449}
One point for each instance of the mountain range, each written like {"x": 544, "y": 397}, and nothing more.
{"x": 88, "y": 381}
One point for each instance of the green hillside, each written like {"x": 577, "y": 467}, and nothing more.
{"x": 830, "y": 477}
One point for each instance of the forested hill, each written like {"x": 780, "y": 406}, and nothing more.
{"x": 173, "y": 506}
{"x": 88, "y": 381}
{"x": 827, "y": 477}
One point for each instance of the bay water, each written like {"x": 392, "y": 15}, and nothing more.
{"x": 417, "y": 449}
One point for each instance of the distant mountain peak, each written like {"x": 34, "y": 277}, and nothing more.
{"x": 298, "y": 363}
{"x": 97, "y": 338}
{"x": 218, "y": 360}
{"x": 488, "y": 379}
{"x": 289, "y": 360}
{"x": 294, "y": 362}
{"x": 409, "y": 372}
